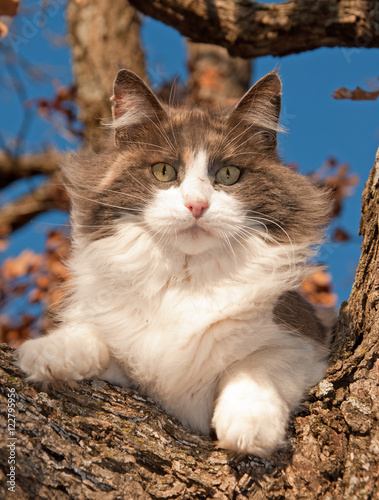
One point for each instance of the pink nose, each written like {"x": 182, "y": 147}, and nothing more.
{"x": 197, "y": 207}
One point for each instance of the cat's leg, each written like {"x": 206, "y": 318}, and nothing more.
{"x": 257, "y": 394}
{"x": 115, "y": 374}
{"x": 71, "y": 352}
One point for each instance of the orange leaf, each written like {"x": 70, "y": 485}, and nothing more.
{"x": 8, "y": 7}
{"x": 25, "y": 263}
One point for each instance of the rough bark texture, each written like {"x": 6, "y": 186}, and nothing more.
{"x": 100, "y": 441}
{"x": 104, "y": 37}
{"x": 251, "y": 29}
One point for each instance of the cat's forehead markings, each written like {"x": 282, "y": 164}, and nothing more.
{"x": 197, "y": 164}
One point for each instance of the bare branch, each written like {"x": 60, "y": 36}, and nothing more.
{"x": 18, "y": 213}
{"x": 252, "y": 29}
{"x": 14, "y": 168}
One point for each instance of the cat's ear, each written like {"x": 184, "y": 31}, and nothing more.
{"x": 260, "y": 108}
{"x": 133, "y": 103}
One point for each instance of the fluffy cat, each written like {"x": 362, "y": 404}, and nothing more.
{"x": 190, "y": 239}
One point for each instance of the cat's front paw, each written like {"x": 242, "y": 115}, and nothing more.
{"x": 63, "y": 357}
{"x": 250, "y": 427}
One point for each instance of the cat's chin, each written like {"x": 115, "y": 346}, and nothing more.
{"x": 195, "y": 241}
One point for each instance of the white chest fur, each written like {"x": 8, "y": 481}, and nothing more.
{"x": 176, "y": 328}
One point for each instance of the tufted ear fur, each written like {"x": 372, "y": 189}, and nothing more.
{"x": 260, "y": 108}
{"x": 133, "y": 103}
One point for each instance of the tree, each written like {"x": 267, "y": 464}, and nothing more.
{"x": 99, "y": 441}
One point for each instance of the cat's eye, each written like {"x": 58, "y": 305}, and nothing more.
{"x": 164, "y": 172}
{"x": 228, "y": 175}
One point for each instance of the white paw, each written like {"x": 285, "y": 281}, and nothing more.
{"x": 62, "y": 356}
{"x": 250, "y": 425}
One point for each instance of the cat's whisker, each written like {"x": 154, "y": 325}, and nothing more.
{"x": 245, "y": 131}
{"x": 163, "y": 133}
{"x": 241, "y": 231}
{"x": 109, "y": 205}
{"x": 267, "y": 234}
{"x": 170, "y": 102}
{"x": 231, "y": 249}
{"x": 231, "y": 130}
{"x": 251, "y": 153}
{"x": 91, "y": 189}
{"x": 162, "y": 152}
{"x": 262, "y": 216}
{"x": 162, "y": 236}
{"x": 156, "y": 125}
{"x": 235, "y": 237}
{"x": 239, "y": 145}
{"x": 134, "y": 142}
{"x": 144, "y": 186}
{"x": 247, "y": 232}
{"x": 227, "y": 245}
{"x": 279, "y": 227}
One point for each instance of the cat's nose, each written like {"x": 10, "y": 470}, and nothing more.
{"x": 197, "y": 207}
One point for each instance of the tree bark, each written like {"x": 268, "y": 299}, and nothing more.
{"x": 104, "y": 37}
{"x": 216, "y": 78}
{"x": 14, "y": 168}
{"x": 252, "y": 29}
{"x": 98, "y": 441}
{"x": 49, "y": 196}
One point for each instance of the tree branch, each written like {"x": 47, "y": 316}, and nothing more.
{"x": 250, "y": 29}
{"x": 18, "y": 213}
{"x": 14, "y": 168}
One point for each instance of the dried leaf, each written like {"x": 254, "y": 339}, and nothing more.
{"x": 8, "y": 7}
{"x": 4, "y": 243}
{"x": 358, "y": 94}
{"x": 43, "y": 282}
{"x": 3, "y": 30}
{"x": 16, "y": 267}
{"x": 317, "y": 288}
{"x": 340, "y": 235}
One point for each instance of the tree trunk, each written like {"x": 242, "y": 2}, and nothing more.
{"x": 97, "y": 441}
{"x": 216, "y": 78}
{"x": 104, "y": 37}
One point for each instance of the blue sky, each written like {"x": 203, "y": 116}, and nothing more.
{"x": 318, "y": 125}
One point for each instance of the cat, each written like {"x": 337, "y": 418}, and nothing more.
{"x": 190, "y": 240}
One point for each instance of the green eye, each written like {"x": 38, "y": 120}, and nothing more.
{"x": 164, "y": 172}
{"x": 228, "y": 175}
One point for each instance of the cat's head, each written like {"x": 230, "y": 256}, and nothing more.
{"x": 196, "y": 180}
